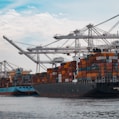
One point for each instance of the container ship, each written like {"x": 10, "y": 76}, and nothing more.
{"x": 93, "y": 71}
{"x": 94, "y": 74}
{"x": 16, "y": 82}
{"x": 97, "y": 77}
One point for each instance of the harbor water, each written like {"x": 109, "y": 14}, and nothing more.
{"x": 57, "y": 108}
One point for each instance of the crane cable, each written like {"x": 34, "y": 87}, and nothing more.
{"x": 113, "y": 26}
{"x": 107, "y": 20}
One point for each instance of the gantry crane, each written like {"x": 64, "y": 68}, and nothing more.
{"x": 92, "y": 33}
{"x": 35, "y": 51}
{"x": 89, "y": 37}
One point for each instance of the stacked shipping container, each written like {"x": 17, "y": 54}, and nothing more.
{"x": 63, "y": 73}
{"x": 94, "y": 66}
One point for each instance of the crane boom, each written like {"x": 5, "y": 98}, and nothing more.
{"x": 107, "y": 20}
{"x": 10, "y": 41}
{"x": 27, "y": 53}
{"x": 110, "y": 36}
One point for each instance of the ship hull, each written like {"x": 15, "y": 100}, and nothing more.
{"x": 17, "y": 90}
{"x": 78, "y": 90}
{"x": 107, "y": 89}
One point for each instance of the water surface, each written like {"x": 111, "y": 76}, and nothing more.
{"x": 57, "y": 108}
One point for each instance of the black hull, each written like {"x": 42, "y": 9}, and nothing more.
{"x": 78, "y": 90}
{"x": 107, "y": 90}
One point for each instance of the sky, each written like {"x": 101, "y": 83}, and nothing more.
{"x": 35, "y": 22}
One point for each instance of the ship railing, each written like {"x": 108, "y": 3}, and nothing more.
{"x": 85, "y": 81}
{"x": 106, "y": 80}
{"x": 101, "y": 80}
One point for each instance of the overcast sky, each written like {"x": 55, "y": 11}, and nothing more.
{"x": 37, "y": 21}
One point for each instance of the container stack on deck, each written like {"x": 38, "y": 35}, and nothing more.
{"x": 99, "y": 65}
{"x": 63, "y": 73}
{"x": 16, "y": 77}
{"x": 95, "y": 66}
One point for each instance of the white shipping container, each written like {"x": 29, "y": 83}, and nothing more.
{"x": 59, "y": 75}
{"x": 54, "y": 73}
{"x": 113, "y": 57}
{"x": 101, "y": 58}
{"x": 59, "y": 78}
{"x": 66, "y": 80}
